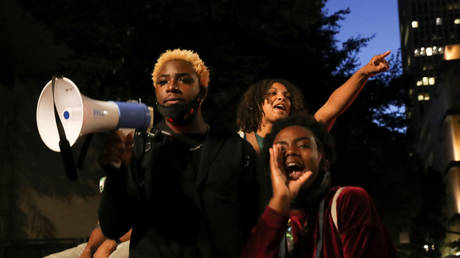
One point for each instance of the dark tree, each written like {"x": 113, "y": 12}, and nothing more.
{"x": 108, "y": 48}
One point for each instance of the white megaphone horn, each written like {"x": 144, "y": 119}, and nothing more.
{"x": 81, "y": 115}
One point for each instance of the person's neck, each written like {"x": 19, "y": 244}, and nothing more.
{"x": 265, "y": 128}
{"x": 197, "y": 125}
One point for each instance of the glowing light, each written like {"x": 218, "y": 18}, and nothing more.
{"x": 420, "y": 97}
{"x": 438, "y": 21}
{"x": 429, "y": 51}
{"x": 431, "y": 81}
{"x": 414, "y": 24}
{"x": 425, "y": 81}
{"x": 422, "y": 51}
{"x": 457, "y": 21}
{"x": 454, "y": 126}
{"x": 452, "y": 52}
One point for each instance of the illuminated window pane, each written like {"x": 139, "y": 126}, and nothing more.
{"x": 457, "y": 21}
{"x": 438, "y": 21}
{"x": 431, "y": 81}
{"x": 416, "y": 52}
{"x": 422, "y": 51}
{"x": 435, "y": 50}
{"x": 419, "y": 83}
{"x": 425, "y": 80}
{"x": 429, "y": 51}
{"x": 420, "y": 97}
{"x": 426, "y": 97}
{"x": 440, "y": 50}
{"x": 414, "y": 24}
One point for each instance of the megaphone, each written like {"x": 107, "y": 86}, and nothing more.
{"x": 82, "y": 115}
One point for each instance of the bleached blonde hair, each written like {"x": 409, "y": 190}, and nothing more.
{"x": 185, "y": 55}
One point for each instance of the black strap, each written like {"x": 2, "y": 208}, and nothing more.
{"x": 84, "y": 150}
{"x": 66, "y": 150}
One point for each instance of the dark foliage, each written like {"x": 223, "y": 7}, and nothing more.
{"x": 108, "y": 48}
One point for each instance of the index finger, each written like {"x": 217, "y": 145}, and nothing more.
{"x": 384, "y": 54}
{"x": 275, "y": 168}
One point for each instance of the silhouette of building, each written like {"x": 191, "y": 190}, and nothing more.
{"x": 430, "y": 48}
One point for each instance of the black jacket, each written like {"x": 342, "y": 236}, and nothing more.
{"x": 148, "y": 196}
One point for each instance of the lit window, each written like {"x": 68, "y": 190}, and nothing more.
{"x": 438, "y": 21}
{"x": 423, "y": 97}
{"x": 414, "y": 24}
{"x": 425, "y": 81}
{"x": 420, "y": 97}
{"x": 429, "y": 51}
{"x": 426, "y": 97}
{"x": 416, "y": 52}
{"x": 419, "y": 83}
{"x": 422, "y": 51}
{"x": 457, "y": 21}
{"x": 435, "y": 50}
{"x": 440, "y": 50}
{"x": 431, "y": 81}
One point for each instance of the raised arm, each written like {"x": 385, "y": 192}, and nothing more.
{"x": 343, "y": 96}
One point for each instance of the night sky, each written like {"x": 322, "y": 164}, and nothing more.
{"x": 380, "y": 19}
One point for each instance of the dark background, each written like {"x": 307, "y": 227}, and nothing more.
{"x": 109, "y": 48}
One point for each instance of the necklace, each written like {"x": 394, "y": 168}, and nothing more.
{"x": 197, "y": 147}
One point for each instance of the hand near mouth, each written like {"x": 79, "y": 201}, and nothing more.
{"x": 285, "y": 188}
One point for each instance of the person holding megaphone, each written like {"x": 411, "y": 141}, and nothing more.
{"x": 186, "y": 189}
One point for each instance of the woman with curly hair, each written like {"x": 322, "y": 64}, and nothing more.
{"x": 272, "y": 99}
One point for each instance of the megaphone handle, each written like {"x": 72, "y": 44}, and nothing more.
{"x": 84, "y": 150}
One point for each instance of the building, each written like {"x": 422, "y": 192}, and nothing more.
{"x": 428, "y": 28}
{"x": 430, "y": 48}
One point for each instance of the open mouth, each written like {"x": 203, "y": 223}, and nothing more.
{"x": 280, "y": 107}
{"x": 294, "y": 170}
